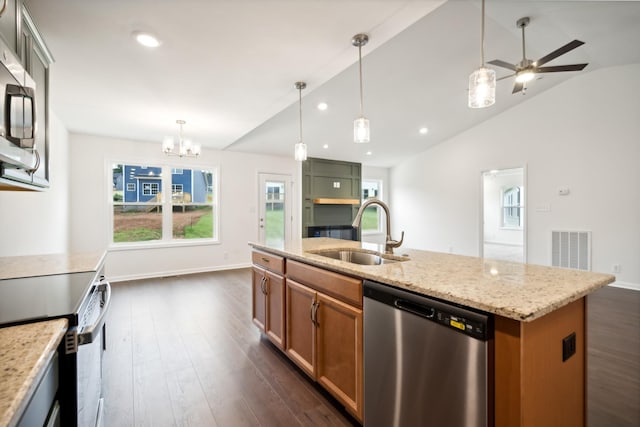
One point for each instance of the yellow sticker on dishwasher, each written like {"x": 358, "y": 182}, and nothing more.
{"x": 457, "y": 324}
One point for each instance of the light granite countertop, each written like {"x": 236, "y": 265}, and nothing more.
{"x": 44, "y": 265}
{"x": 25, "y": 351}
{"x": 523, "y": 292}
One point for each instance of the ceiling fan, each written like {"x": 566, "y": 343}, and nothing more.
{"x": 526, "y": 69}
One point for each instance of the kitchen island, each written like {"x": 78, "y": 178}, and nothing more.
{"x": 535, "y": 308}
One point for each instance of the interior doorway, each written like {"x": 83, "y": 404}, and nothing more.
{"x": 275, "y": 209}
{"x": 503, "y": 231}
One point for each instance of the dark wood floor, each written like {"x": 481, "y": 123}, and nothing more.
{"x": 182, "y": 351}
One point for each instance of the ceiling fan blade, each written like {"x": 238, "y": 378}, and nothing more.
{"x": 505, "y": 77}
{"x": 573, "y": 67}
{"x": 517, "y": 87}
{"x": 560, "y": 51}
{"x": 503, "y": 64}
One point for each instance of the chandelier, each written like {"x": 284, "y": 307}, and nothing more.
{"x": 185, "y": 147}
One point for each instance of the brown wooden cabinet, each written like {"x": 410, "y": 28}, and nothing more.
{"x": 324, "y": 330}
{"x": 268, "y": 289}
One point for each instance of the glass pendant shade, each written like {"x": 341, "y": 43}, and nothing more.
{"x": 167, "y": 144}
{"x": 185, "y": 147}
{"x": 361, "y": 130}
{"x": 300, "y": 151}
{"x": 482, "y": 88}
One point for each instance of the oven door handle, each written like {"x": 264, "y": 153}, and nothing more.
{"x": 89, "y": 333}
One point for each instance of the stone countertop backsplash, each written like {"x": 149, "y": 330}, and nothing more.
{"x": 25, "y": 351}
{"x": 44, "y": 265}
{"x": 522, "y": 292}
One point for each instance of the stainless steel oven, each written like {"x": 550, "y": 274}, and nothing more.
{"x": 83, "y": 298}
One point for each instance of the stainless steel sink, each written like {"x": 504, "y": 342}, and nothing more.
{"x": 360, "y": 257}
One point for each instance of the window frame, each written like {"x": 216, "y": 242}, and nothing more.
{"x": 166, "y": 204}
{"x": 379, "y": 182}
{"x": 518, "y": 205}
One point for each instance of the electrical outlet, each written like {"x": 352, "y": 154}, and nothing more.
{"x": 616, "y": 269}
{"x": 568, "y": 346}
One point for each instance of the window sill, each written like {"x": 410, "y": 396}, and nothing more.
{"x": 160, "y": 244}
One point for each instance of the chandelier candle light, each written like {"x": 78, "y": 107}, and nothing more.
{"x": 361, "y": 124}
{"x": 482, "y": 82}
{"x": 300, "y": 152}
{"x": 185, "y": 147}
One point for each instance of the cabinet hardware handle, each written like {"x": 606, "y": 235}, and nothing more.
{"x": 265, "y": 259}
{"x": 315, "y": 313}
{"x": 311, "y": 312}
{"x": 262, "y": 282}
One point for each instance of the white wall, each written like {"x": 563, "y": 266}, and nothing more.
{"x": 583, "y": 134}
{"x": 36, "y": 222}
{"x": 238, "y": 175}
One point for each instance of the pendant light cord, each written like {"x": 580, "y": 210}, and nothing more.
{"x": 360, "y": 65}
{"x": 482, "y": 37}
{"x": 300, "y": 109}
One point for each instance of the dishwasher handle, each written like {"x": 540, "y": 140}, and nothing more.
{"x": 417, "y": 309}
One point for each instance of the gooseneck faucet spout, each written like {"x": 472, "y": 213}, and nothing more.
{"x": 389, "y": 242}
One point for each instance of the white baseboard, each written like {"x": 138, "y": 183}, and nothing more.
{"x": 126, "y": 278}
{"x": 626, "y": 285}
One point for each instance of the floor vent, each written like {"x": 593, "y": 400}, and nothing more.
{"x": 571, "y": 249}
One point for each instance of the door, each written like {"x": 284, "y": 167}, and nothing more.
{"x": 259, "y": 313}
{"x": 503, "y": 230}
{"x": 301, "y": 331}
{"x": 339, "y": 347}
{"x": 275, "y": 209}
{"x": 274, "y": 327}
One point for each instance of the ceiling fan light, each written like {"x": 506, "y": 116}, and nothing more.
{"x": 300, "y": 151}
{"x": 482, "y": 88}
{"x": 361, "y": 131}
{"x": 525, "y": 76}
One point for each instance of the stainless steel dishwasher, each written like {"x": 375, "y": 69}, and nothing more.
{"x": 426, "y": 362}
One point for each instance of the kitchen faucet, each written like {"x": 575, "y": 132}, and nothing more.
{"x": 389, "y": 243}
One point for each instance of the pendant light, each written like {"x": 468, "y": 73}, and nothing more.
{"x": 300, "y": 151}
{"x": 482, "y": 82}
{"x": 361, "y": 129}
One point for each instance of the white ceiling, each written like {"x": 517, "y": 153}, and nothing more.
{"x": 228, "y": 67}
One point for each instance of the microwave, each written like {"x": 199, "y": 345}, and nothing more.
{"x": 19, "y": 154}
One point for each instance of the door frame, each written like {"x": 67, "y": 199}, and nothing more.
{"x": 263, "y": 177}
{"x": 526, "y": 210}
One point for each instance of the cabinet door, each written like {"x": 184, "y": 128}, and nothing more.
{"x": 274, "y": 326}
{"x": 339, "y": 346}
{"x": 8, "y": 22}
{"x": 259, "y": 297}
{"x": 301, "y": 332}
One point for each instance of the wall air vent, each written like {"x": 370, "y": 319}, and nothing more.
{"x": 571, "y": 249}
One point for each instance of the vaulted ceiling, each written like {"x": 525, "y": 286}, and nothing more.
{"x": 228, "y": 67}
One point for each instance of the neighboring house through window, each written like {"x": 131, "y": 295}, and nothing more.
{"x": 143, "y": 213}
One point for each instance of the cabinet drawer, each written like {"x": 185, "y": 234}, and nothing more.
{"x": 342, "y": 287}
{"x": 271, "y": 262}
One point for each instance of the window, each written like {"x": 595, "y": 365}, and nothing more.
{"x": 146, "y": 215}
{"x": 512, "y": 207}
{"x": 150, "y": 188}
{"x": 371, "y": 217}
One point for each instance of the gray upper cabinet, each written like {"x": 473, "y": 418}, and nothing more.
{"x": 8, "y": 29}
{"x": 36, "y": 59}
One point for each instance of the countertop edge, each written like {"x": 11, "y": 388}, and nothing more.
{"x": 522, "y": 316}
{"x": 26, "y": 390}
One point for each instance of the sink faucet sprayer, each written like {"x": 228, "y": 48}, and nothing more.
{"x": 390, "y": 243}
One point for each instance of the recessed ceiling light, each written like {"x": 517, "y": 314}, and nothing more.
{"x": 322, "y": 106}
{"x": 423, "y": 131}
{"x": 369, "y": 153}
{"x": 325, "y": 146}
{"x": 146, "y": 39}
